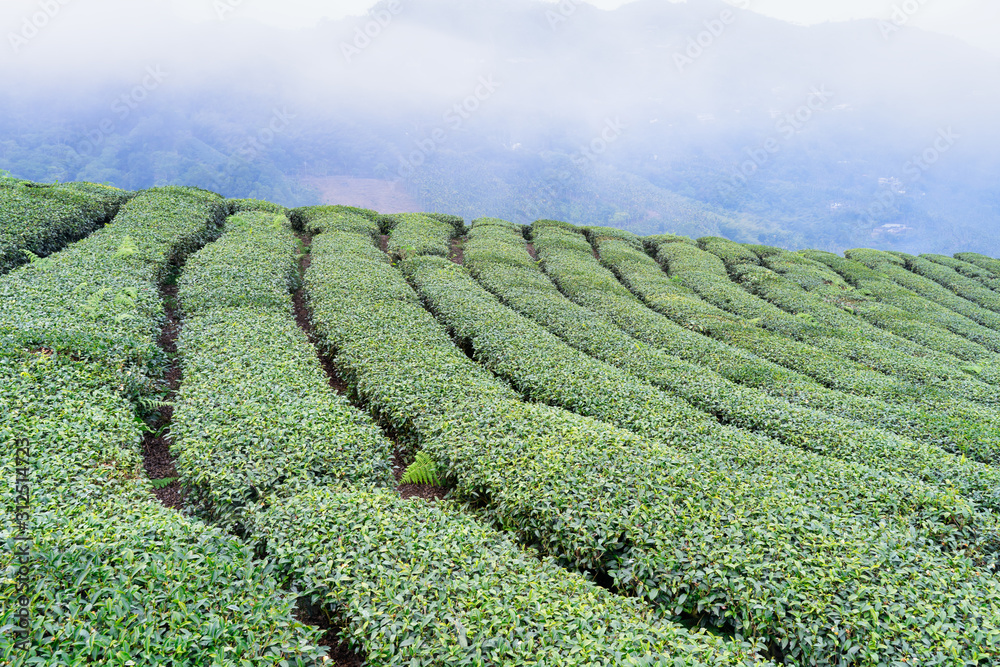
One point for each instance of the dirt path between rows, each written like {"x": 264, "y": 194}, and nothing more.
{"x": 457, "y": 253}
{"x": 157, "y": 459}
{"x": 303, "y": 315}
{"x": 339, "y": 652}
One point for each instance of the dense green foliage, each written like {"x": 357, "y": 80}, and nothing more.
{"x": 732, "y": 436}
{"x": 928, "y": 302}
{"x": 99, "y": 299}
{"x": 788, "y": 307}
{"x": 850, "y": 389}
{"x": 967, "y": 270}
{"x": 982, "y": 261}
{"x": 415, "y": 234}
{"x": 425, "y": 586}
{"x": 278, "y": 430}
{"x": 314, "y": 219}
{"x": 116, "y": 575}
{"x": 532, "y": 469}
{"x": 276, "y": 426}
{"x": 37, "y": 220}
{"x": 551, "y": 373}
{"x": 968, "y": 289}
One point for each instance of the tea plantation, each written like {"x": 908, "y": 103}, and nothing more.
{"x": 637, "y": 451}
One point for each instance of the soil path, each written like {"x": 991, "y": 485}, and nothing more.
{"x": 157, "y": 459}
{"x": 401, "y": 457}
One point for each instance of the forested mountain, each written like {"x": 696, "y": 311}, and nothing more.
{"x": 698, "y": 118}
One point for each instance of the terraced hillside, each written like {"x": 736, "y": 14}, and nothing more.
{"x": 236, "y": 434}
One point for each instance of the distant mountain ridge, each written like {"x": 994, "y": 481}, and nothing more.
{"x": 697, "y": 118}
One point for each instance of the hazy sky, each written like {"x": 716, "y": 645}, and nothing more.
{"x": 976, "y": 21}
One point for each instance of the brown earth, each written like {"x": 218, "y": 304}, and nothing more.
{"x": 457, "y": 251}
{"x": 157, "y": 459}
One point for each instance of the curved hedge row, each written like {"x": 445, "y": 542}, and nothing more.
{"x": 568, "y": 261}
{"x": 272, "y": 432}
{"x": 717, "y": 543}
{"x": 255, "y": 418}
{"x": 890, "y": 326}
{"x": 99, "y": 299}
{"x": 548, "y": 370}
{"x": 967, "y": 289}
{"x": 924, "y": 297}
{"x": 356, "y": 293}
{"x": 423, "y": 585}
{"x": 415, "y": 234}
{"x": 117, "y": 575}
{"x": 920, "y": 413}
{"x": 314, "y": 219}
{"x": 818, "y": 323}
{"x": 982, "y": 261}
{"x": 888, "y": 306}
{"x": 968, "y": 270}
{"x": 254, "y": 265}
{"x": 821, "y": 299}
{"x": 797, "y": 426}
{"x": 498, "y": 259}
{"x": 40, "y": 219}
{"x": 793, "y": 272}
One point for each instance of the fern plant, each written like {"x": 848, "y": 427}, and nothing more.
{"x": 423, "y": 470}
{"x": 163, "y": 483}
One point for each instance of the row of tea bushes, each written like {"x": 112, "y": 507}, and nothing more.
{"x": 118, "y": 577}
{"x": 548, "y": 370}
{"x": 99, "y": 298}
{"x": 497, "y": 257}
{"x": 921, "y": 413}
{"x": 315, "y": 219}
{"x": 979, "y": 275}
{"x": 920, "y": 295}
{"x": 567, "y": 259}
{"x": 419, "y": 584}
{"x": 963, "y": 287}
{"x": 864, "y": 327}
{"x": 255, "y": 418}
{"x": 415, "y": 234}
{"x": 765, "y": 296}
{"x": 745, "y": 552}
{"x": 37, "y": 220}
{"x": 412, "y": 583}
{"x": 817, "y": 294}
{"x": 982, "y": 261}
{"x": 794, "y": 425}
